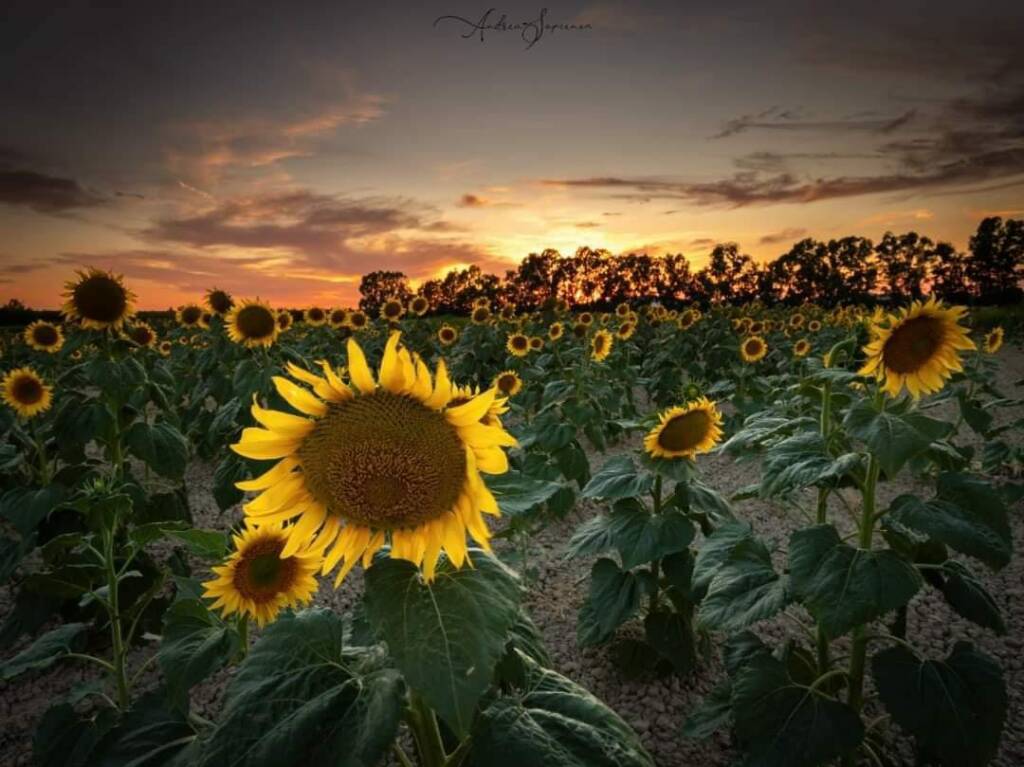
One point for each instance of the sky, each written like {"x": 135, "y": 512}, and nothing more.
{"x": 282, "y": 150}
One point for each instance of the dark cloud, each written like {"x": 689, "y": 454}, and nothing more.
{"x": 472, "y": 201}
{"x": 785, "y": 235}
{"x": 44, "y": 193}
{"x": 787, "y": 120}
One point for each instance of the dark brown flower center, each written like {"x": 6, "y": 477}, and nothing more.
{"x": 27, "y": 390}
{"x": 220, "y": 301}
{"x": 255, "y": 321}
{"x": 190, "y": 315}
{"x": 141, "y": 335}
{"x": 685, "y": 432}
{"x": 261, "y": 575}
{"x": 913, "y": 344}
{"x": 506, "y": 382}
{"x": 100, "y": 298}
{"x": 45, "y": 335}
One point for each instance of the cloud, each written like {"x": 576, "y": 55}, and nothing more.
{"x": 587, "y": 224}
{"x": 44, "y": 193}
{"x": 775, "y": 119}
{"x": 472, "y": 201}
{"x": 784, "y": 235}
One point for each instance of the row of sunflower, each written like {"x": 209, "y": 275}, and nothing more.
{"x": 394, "y": 444}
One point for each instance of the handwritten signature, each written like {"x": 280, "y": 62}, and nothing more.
{"x": 531, "y": 31}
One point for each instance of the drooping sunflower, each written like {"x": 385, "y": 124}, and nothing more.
{"x": 801, "y": 348}
{"x": 284, "y": 319}
{"x": 257, "y": 581}
{"x": 44, "y": 336}
{"x": 338, "y": 318}
{"x": 392, "y": 310}
{"x": 142, "y": 334}
{"x": 556, "y": 330}
{"x": 387, "y": 459}
{"x": 219, "y": 301}
{"x": 684, "y": 431}
{"x": 918, "y": 347}
{"x": 252, "y": 323}
{"x": 26, "y": 392}
{"x": 993, "y": 340}
{"x": 600, "y": 345}
{"x": 358, "y": 320}
{"x": 315, "y": 316}
{"x": 419, "y": 306}
{"x": 518, "y": 345}
{"x": 536, "y": 343}
{"x": 98, "y": 300}
{"x": 753, "y": 349}
{"x": 190, "y": 316}
{"x": 481, "y": 315}
{"x": 508, "y": 383}
{"x": 447, "y": 335}
{"x": 626, "y": 330}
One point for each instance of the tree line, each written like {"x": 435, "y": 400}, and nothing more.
{"x": 853, "y": 269}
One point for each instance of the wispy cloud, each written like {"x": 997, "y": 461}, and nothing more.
{"x": 785, "y": 235}
{"x": 44, "y": 193}
{"x": 776, "y": 119}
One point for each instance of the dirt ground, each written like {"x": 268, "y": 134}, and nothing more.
{"x": 655, "y": 707}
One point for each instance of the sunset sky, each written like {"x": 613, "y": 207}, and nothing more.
{"x": 283, "y": 149}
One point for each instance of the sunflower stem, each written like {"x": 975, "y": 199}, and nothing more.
{"x": 44, "y": 464}
{"x": 116, "y": 630}
{"x": 423, "y": 723}
{"x": 243, "y": 636}
{"x": 656, "y": 563}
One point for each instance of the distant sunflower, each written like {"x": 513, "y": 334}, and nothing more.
{"x": 579, "y": 330}
{"x": 392, "y": 310}
{"x": 508, "y": 383}
{"x": 358, "y": 320}
{"x": 686, "y": 320}
{"x": 601, "y": 345}
{"x": 463, "y": 394}
{"x": 99, "y": 300}
{"x": 796, "y": 321}
{"x": 556, "y": 330}
{"x": 684, "y": 431}
{"x": 219, "y": 301}
{"x": 190, "y": 316}
{"x": 507, "y": 313}
{"x": 447, "y": 335}
{"x": 252, "y": 323}
{"x": 481, "y": 315}
{"x": 993, "y": 340}
{"x": 257, "y": 581}
{"x": 338, "y": 318}
{"x": 44, "y": 336}
{"x": 918, "y": 347}
{"x": 165, "y": 348}
{"x": 26, "y": 392}
{"x": 744, "y": 326}
{"x": 284, "y": 319}
{"x": 755, "y": 328}
{"x": 622, "y": 310}
{"x": 586, "y": 318}
{"x": 753, "y": 349}
{"x": 142, "y": 334}
{"x": 626, "y": 330}
{"x": 419, "y": 306}
{"x": 315, "y": 316}
{"x": 801, "y": 348}
{"x": 814, "y": 326}
{"x": 387, "y": 459}
{"x": 536, "y": 343}
{"x": 518, "y": 345}
{"x": 481, "y": 301}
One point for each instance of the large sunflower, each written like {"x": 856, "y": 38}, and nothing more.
{"x": 993, "y": 340}
{"x": 684, "y": 431}
{"x": 44, "y": 336}
{"x": 252, "y": 323}
{"x": 508, "y": 383}
{"x": 98, "y": 299}
{"x": 219, "y": 301}
{"x": 142, "y": 334}
{"x": 918, "y": 347}
{"x": 385, "y": 460}
{"x": 447, "y": 335}
{"x": 753, "y": 349}
{"x": 190, "y": 316}
{"x": 518, "y": 344}
{"x": 419, "y": 306}
{"x": 257, "y": 581}
{"x": 26, "y": 392}
{"x": 601, "y": 345}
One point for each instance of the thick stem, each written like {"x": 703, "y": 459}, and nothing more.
{"x": 656, "y": 564}
{"x": 44, "y": 464}
{"x": 116, "y": 629}
{"x": 423, "y": 723}
{"x": 822, "y": 516}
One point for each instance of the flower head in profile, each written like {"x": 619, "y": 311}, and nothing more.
{"x": 601, "y": 346}
{"x": 686, "y": 430}
{"x": 993, "y": 340}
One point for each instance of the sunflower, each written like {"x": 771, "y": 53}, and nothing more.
{"x": 257, "y": 581}
{"x": 284, "y": 320}
{"x": 507, "y": 313}
{"x": 579, "y": 330}
{"x": 338, "y": 318}
{"x": 755, "y": 328}
{"x": 686, "y": 320}
{"x": 626, "y": 330}
{"x": 481, "y": 301}
{"x": 142, "y": 334}
{"x": 600, "y": 345}
{"x": 814, "y": 326}
{"x": 26, "y": 392}
{"x": 753, "y": 349}
{"x": 744, "y": 326}
{"x": 796, "y": 321}
{"x": 98, "y": 299}
{"x": 518, "y": 345}
{"x": 463, "y": 394}
{"x": 801, "y": 348}
{"x": 993, "y": 340}
{"x": 684, "y": 431}
{"x": 536, "y": 343}
{"x": 44, "y": 336}
{"x": 219, "y": 301}
{"x": 918, "y": 347}
{"x": 447, "y": 335}
{"x": 386, "y": 460}
{"x": 508, "y": 383}
{"x": 165, "y": 348}
{"x": 315, "y": 316}
{"x": 622, "y": 309}
{"x": 252, "y": 323}
{"x": 419, "y": 306}
{"x": 586, "y": 318}
{"x": 481, "y": 315}
{"x": 190, "y": 316}
{"x": 392, "y": 310}
{"x": 556, "y": 330}
{"x": 358, "y": 320}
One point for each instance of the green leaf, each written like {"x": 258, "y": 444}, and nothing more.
{"x": 893, "y": 437}
{"x": 843, "y": 587}
{"x": 230, "y": 470}
{"x": 301, "y": 698}
{"x": 954, "y": 708}
{"x": 803, "y": 461}
{"x": 518, "y": 493}
{"x": 967, "y": 514}
{"x": 46, "y": 650}
{"x": 671, "y": 634}
{"x": 445, "y": 636}
{"x": 160, "y": 445}
{"x": 711, "y": 715}
{"x": 638, "y": 535}
{"x": 553, "y": 721}
{"x": 65, "y": 738}
{"x": 966, "y": 594}
{"x": 149, "y": 735}
{"x": 783, "y": 724}
{"x": 745, "y": 590}
{"x": 618, "y": 478}
{"x": 195, "y": 644}
{"x": 207, "y": 544}
{"x": 25, "y": 509}
{"x": 715, "y": 549}
{"x": 614, "y": 599}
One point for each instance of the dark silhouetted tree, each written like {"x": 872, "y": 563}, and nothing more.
{"x": 996, "y": 266}
{"x": 376, "y": 287}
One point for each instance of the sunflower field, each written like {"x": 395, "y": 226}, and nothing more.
{"x": 248, "y": 535}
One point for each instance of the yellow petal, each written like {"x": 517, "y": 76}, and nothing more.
{"x": 285, "y": 424}
{"x": 358, "y": 370}
{"x": 302, "y": 531}
{"x": 279, "y": 472}
{"x": 472, "y": 411}
{"x": 342, "y": 392}
{"x": 392, "y": 377}
{"x": 262, "y": 445}
{"x": 301, "y": 399}
{"x": 442, "y": 388}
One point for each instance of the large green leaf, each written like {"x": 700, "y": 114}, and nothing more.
{"x": 746, "y": 589}
{"x": 553, "y": 722}
{"x": 195, "y": 644}
{"x": 301, "y": 698}
{"x": 614, "y": 599}
{"x": 46, "y": 650}
{"x": 206, "y": 544}
{"x": 517, "y": 493}
{"x": 65, "y": 738}
{"x": 159, "y": 445}
{"x": 618, "y": 478}
{"x": 445, "y": 636}
{"x": 715, "y": 549}
{"x": 966, "y": 594}
{"x": 843, "y": 587}
{"x": 712, "y": 714}
{"x": 803, "y": 461}
{"x": 149, "y": 735}
{"x": 955, "y": 708}
{"x": 967, "y": 514}
{"x": 783, "y": 724}
{"x": 894, "y": 437}
{"x": 671, "y": 634}
{"x": 25, "y": 508}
